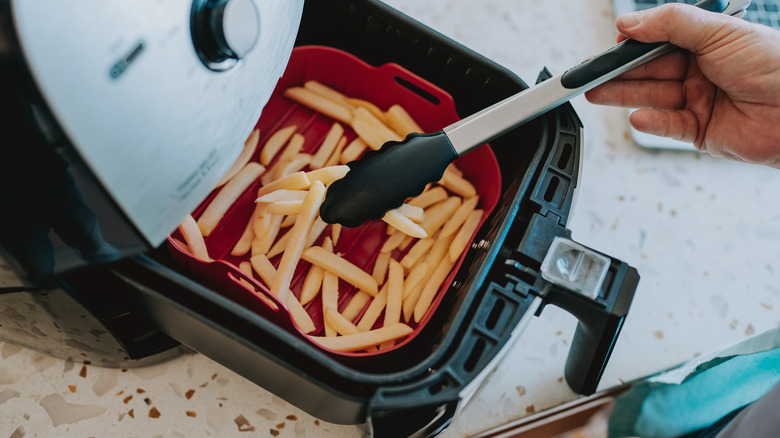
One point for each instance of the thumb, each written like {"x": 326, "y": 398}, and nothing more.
{"x": 683, "y": 25}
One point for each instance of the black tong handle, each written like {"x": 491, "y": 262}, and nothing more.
{"x": 622, "y": 54}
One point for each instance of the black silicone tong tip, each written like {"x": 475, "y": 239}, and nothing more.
{"x": 382, "y": 180}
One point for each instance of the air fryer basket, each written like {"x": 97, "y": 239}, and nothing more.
{"x": 498, "y": 286}
{"x": 384, "y": 86}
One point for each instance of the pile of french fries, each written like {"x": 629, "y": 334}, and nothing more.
{"x": 425, "y": 236}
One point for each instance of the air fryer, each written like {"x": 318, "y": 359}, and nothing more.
{"x": 145, "y": 308}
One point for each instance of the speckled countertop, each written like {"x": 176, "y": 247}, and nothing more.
{"x": 704, "y": 234}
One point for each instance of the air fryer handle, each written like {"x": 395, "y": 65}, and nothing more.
{"x": 592, "y": 345}
{"x": 600, "y": 320}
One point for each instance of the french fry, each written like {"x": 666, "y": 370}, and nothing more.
{"x": 260, "y": 210}
{"x": 392, "y": 242}
{"x": 292, "y": 149}
{"x": 282, "y": 195}
{"x": 296, "y": 181}
{"x": 289, "y": 221}
{"x": 457, "y": 184}
{"x": 246, "y": 268}
{"x": 376, "y": 123}
{"x": 459, "y": 216}
{"x": 411, "y": 301}
{"x": 245, "y": 241}
{"x": 405, "y": 243}
{"x": 298, "y": 313}
{"x": 438, "y": 214}
{"x": 380, "y": 267}
{"x": 342, "y": 268}
{"x": 416, "y": 214}
{"x": 415, "y": 278}
{"x": 373, "y": 109}
{"x": 313, "y": 281}
{"x": 335, "y": 233}
{"x": 395, "y": 293}
{"x": 416, "y": 252}
{"x": 257, "y": 243}
{"x": 320, "y": 104}
{"x": 366, "y": 132}
{"x": 328, "y": 174}
{"x": 374, "y": 310}
{"x": 266, "y": 271}
{"x": 353, "y": 150}
{"x": 261, "y": 222}
{"x": 363, "y": 340}
{"x": 285, "y": 208}
{"x": 249, "y": 148}
{"x": 330, "y": 297}
{"x": 335, "y": 157}
{"x": 275, "y": 143}
{"x": 265, "y": 241}
{"x": 463, "y": 237}
{"x": 429, "y": 197}
{"x": 316, "y": 230}
{"x": 326, "y": 91}
{"x": 327, "y": 146}
{"x": 432, "y": 286}
{"x": 291, "y": 165}
{"x": 400, "y": 121}
{"x": 371, "y": 130}
{"x": 297, "y": 240}
{"x": 311, "y": 284}
{"x": 454, "y": 169}
{"x": 229, "y": 193}
{"x": 404, "y": 224}
{"x": 192, "y": 235}
{"x": 413, "y": 286}
{"x": 341, "y": 324}
{"x": 439, "y": 250}
{"x": 355, "y": 305}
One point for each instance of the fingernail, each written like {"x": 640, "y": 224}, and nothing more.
{"x": 631, "y": 20}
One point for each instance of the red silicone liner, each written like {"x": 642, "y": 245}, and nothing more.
{"x": 386, "y": 85}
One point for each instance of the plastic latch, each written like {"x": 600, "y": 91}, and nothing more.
{"x": 575, "y": 267}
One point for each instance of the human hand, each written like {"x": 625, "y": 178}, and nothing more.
{"x": 722, "y": 93}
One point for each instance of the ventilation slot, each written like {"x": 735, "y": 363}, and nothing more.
{"x": 495, "y": 314}
{"x": 419, "y": 91}
{"x": 565, "y": 157}
{"x": 549, "y": 194}
{"x": 475, "y": 356}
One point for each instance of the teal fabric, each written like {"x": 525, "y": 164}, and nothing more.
{"x": 714, "y": 389}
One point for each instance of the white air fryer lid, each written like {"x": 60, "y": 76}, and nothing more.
{"x": 157, "y": 96}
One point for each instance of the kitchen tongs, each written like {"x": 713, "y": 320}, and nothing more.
{"x": 382, "y": 180}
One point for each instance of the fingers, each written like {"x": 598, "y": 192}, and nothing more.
{"x": 681, "y": 125}
{"x": 635, "y": 88}
{"x": 664, "y": 95}
{"x": 683, "y": 25}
